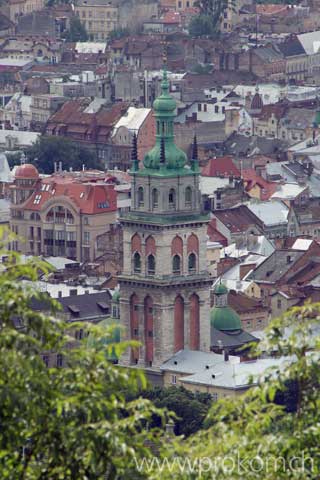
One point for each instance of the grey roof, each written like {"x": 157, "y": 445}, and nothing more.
{"x": 298, "y": 118}
{"x": 231, "y": 340}
{"x": 310, "y": 42}
{"x": 238, "y": 144}
{"x": 89, "y": 307}
{"x": 233, "y": 375}
{"x": 289, "y": 171}
{"x": 192, "y": 361}
{"x": 268, "y": 54}
{"x": 275, "y": 266}
{"x": 292, "y": 48}
{"x": 272, "y": 212}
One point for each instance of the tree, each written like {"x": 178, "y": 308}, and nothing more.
{"x": 256, "y": 436}
{"x": 211, "y": 12}
{"x": 118, "y": 33}
{"x": 190, "y": 409}
{"x": 50, "y": 149}
{"x": 76, "y": 32}
{"x": 201, "y": 25}
{"x": 66, "y": 423}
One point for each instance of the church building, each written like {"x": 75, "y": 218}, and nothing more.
{"x": 165, "y": 284}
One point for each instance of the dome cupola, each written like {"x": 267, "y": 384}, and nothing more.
{"x": 223, "y": 317}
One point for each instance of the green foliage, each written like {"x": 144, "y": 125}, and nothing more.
{"x": 50, "y": 149}
{"x": 118, "y": 33}
{"x": 201, "y": 25}
{"x": 190, "y": 408}
{"x": 211, "y": 12}
{"x": 76, "y": 32}
{"x": 252, "y": 436}
{"x": 71, "y": 423}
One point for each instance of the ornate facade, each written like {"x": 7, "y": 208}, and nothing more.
{"x": 164, "y": 283}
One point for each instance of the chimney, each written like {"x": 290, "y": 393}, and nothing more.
{"x": 226, "y": 355}
{"x": 60, "y": 166}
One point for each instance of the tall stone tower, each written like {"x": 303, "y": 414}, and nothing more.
{"x": 164, "y": 285}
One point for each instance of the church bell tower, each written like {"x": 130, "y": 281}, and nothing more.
{"x": 164, "y": 285}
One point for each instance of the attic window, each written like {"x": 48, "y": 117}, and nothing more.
{"x": 104, "y": 306}
{"x": 103, "y": 205}
{"x": 37, "y": 199}
{"x": 269, "y": 273}
{"x": 74, "y": 309}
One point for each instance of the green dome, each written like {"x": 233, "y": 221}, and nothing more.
{"x": 220, "y": 289}
{"x": 116, "y": 296}
{"x": 164, "y": 111}
{"x": 164, "y": 103}
{"x": 175, "y": 158}
{"x": 225, "y": 318}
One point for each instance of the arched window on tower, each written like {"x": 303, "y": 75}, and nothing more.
{"x": 172, "y": 199}
{"x": 192, "y": 263}
{"x": 151, "y": 265}
{"x": 140, "y": 197}
{"x": 137, "y": 263}
{"x": 176, "y": 265}
{"x": 155, "y": 198}
{"x": 188, "y": 197}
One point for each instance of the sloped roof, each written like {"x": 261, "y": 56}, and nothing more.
{"x": 90, "y": 197}
{"x": 221, "y": 166}
{"x": 238, "y": 219}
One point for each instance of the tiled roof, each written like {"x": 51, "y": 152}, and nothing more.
{"x": 270, "y": 9}
{"x": 92, "y": 196}
{"x": 222, "y": 166}
{"x": 237, "y": 219}
{"x": 214, "y": 234}
{"x": 241, "y": 303}
{"x": 252, "y": 179}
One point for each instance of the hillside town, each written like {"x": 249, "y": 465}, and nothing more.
{"x": 168, "y": 176}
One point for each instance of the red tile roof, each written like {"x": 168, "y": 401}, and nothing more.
{"x": 214, "y": 234}
{"x": 223, "y": 166}
{"x": 90, "y": 194}
{"x": 251, "y": 179}
{"x": 238, "y": 219}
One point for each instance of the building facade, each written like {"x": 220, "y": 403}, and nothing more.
{"x": 164, "y": 284}
{"x": 99, "y": 17}
{"x": 60, "y": 215}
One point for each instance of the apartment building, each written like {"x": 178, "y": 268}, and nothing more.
{"x": 18, "y": 8}
{"x": 60, "y": 215}
{"x": 99, "y": 17}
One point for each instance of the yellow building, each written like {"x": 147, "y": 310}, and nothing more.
{"x": 99, "y": 17}
{"x": 18, "y": 8}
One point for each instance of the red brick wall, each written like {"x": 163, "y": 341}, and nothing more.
{"x": 146, "y": 136}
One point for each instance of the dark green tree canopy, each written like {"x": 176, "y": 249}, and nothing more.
{"x": 77, "y": 31}
{"x": 50, "y": 149}
{"x": 71, "y": 423}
